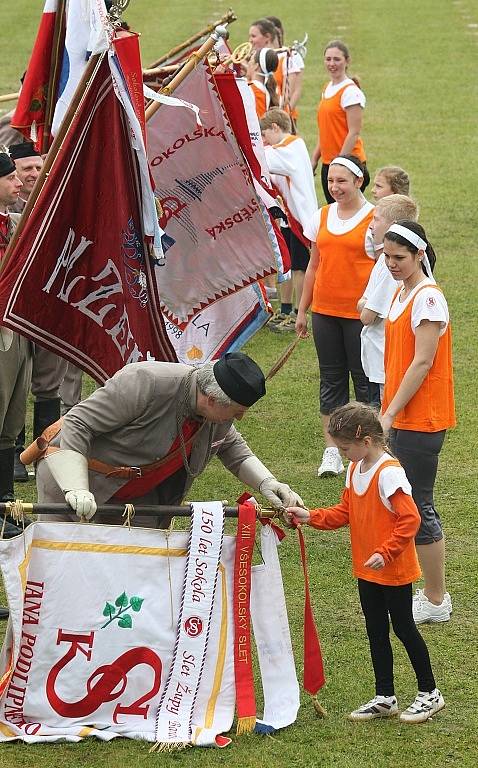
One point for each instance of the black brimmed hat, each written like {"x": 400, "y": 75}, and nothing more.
{"x": 7, "y": 165}
{"x": 25, "y": 149}
{"x": 240, "y": 378}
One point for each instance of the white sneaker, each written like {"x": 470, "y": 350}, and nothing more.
{"x": 420, "y": 594}
{"x": 379, "y": 706}
{"x": 331, "y": 463}
{"x": 425, "y": 611}
{"x": 424, "y": 707}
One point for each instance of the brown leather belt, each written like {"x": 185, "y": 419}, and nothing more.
{"x": 40, "y": 448}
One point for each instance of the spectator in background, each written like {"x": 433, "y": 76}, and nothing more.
{"x": 339, "y": 116}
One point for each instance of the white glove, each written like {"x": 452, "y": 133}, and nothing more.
{"x": 83, "y": 502}
{"x": 252, "y": 472}
{"x": 70, "y": 471}
{"x": 279, "y": 494}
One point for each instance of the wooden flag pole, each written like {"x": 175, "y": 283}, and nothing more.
{"x": 19, "y": 508}
{"x": 88, "y": 74}
{"x": 228, "y": 18}
{"x": 9, "y": 96}
{"x": 55, "y": 68}
{"x": 190, "y": 64}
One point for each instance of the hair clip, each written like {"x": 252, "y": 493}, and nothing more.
{"x": 338, "y": 424}
{"x": 358, "y": 432}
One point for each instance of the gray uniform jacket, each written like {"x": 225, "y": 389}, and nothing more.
{"x": 131, "y": 421}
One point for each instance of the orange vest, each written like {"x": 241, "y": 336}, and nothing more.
{"x": 343, "y": 271}
{"x": 333, "y": 128}
{"x": 432, "y": 407}
{"x": 371, "y": 525}
{"x": 280, "y": 81}
{"x": 261, "y": 97}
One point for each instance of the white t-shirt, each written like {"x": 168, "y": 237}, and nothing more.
{"x": 389, "y": 481}
{"x": 380, "y": 291}
{"x": 336, "y": 225}
{"x": 429, "y": 304}
{"x": 291, "y": 172}
{"x": 352, "y": 94}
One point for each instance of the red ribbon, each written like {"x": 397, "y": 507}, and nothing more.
{"x": 245, "y": 697}
{"x": 314, "y": 677}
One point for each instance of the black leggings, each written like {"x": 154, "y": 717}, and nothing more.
{"x": 378, "y": 601}
{"x": 337, "y": 341}
{"x": 324, "y": 172}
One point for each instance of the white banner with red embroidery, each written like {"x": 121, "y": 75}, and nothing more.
{"x": 94, "y": 614}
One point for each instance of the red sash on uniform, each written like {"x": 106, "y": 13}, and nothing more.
{"x": 139, "y": 486}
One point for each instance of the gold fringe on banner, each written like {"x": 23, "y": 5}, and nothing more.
{"x": 245, "y": 725}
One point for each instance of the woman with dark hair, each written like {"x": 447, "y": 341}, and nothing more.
{"x": 339, "y": 115}
{"x": 260, "y": 77}
{"x": 269, "y": 32}
{"x": 418, "y": 402}
{"x": 338, "y": 271}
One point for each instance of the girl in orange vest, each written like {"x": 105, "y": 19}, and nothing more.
{"x": 377, "y": 505}
{"x": 335, "y": 279}
{"x": 339, "y": 115}
{"x": 260, "y": 76}
{"x": 418, "y": 402}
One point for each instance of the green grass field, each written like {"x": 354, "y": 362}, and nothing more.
{"x": 417, "y": 62}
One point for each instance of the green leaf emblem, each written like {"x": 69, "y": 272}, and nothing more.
{"x": 125, "y": 622}
{"x": 122, "y": 600}
{"x": 136, "y": 603}
{"x": 108, "y": 610}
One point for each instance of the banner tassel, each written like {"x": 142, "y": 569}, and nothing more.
{"x": 163, "y": 746}
{"x": 319, "y": 709}
{"x": 245, "y": 725}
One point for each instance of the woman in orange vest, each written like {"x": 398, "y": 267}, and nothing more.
{"x": 383, "y": 518}
{"x": 418, "y": 402}
{"x": 339, "y": 115}
{"x": 336, "y": 277}
{"x": 260, "y": 75}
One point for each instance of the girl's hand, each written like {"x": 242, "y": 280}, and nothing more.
{"x": 386, "y": 421}
{"x": 375, "y": 562}
{"x": 301, "y": 325}
{"x": 294, "y": 516}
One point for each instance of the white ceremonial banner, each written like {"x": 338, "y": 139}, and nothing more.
{"x": 94, "y": 614}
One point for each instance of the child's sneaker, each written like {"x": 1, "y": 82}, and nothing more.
{"x": 425, "y": 706}
{"x": 331, "y": 463}
{"x": 379, "y": 706}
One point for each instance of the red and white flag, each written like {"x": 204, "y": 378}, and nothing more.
{"x": 31, "y": 106}
{"x": 78, "y": 280}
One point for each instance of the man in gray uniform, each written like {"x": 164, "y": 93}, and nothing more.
{"x": 48, "y": 368}
{"x": 15, "y": 350}
{"x": 149, "y": 431}
{"x": 15, "y": 358}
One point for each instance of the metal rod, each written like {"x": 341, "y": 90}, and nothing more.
{"x": 228, "y": 18}
{"x": 117, "y": 509}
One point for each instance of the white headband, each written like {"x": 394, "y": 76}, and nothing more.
{"x": 262, "y": 63}
{"x": 409, "y": 235}
{"x": 415, "y": 240}
{"x": 348, "y": 164}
